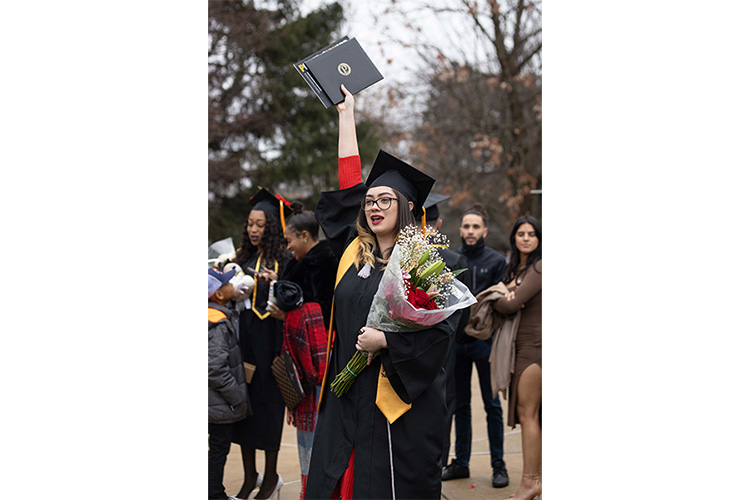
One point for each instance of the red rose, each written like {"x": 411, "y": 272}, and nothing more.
{"x": 419, "y": 299}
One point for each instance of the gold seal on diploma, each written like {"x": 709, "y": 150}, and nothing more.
{"x": 344, "y": 69}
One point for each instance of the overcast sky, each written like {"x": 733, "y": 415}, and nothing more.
{"x": 381, "y": 34}
{"x": 368, "y": 22}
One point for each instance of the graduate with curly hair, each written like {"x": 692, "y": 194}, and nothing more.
{"x": 264, "y": 255}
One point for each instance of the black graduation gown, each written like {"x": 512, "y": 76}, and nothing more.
{"x": 454, "y": 261}
{"x": 260, "y": 342}
{"x": 414, "y": 365}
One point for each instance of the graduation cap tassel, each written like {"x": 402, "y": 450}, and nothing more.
{"x": 281, "y": 211}
{"x": 424, "y": 221}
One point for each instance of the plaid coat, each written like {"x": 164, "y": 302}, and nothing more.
{"x": 305, "y": 338}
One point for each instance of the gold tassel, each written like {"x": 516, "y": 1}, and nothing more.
{"x": 281, "y": 210}
{"x": 424, "y": 221}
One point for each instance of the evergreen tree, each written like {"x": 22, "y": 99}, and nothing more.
{"x": 266, "y": 128}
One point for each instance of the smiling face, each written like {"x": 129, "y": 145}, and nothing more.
{"x": 256, "y": 226}
{"x": 472, "y": 228}
{"x": 381, "y": 221}
{"x": 526, "y": 239}
{"x": 298, "y": 245}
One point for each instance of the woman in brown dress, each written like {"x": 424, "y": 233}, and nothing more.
{"x": 524, "y": 281}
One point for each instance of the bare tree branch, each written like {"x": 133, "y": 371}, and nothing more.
{"x": 517, "y": 29}
{"x": 529, "y": 56}
{"x": 529, "y": 35}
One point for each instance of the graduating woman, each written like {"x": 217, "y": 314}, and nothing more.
{"x": 263, "y": 254}
{"x": 367, "y": 444}
{"x": 524, "y": 282}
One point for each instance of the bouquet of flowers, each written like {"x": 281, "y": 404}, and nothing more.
{"x": 417, "y": 291}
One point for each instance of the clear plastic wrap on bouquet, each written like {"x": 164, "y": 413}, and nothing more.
{"x": 220, "y": 252}
{"x": 391, "y": 312}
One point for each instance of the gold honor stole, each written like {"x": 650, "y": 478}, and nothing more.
{"x": 255, "y": 287}
{"x": 386, "y": 399}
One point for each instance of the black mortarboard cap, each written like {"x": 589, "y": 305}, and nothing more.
{"x": 431, "y": 205}
{"x": 397, "y": 174}
{"x": 264, "y": 200}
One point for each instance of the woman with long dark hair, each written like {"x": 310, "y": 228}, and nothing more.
{"x": 263, "y": 255}
{"x": 524, "y": 282}
{"x": 369, "y": 443}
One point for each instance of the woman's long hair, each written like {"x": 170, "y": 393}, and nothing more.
{"x": 515, "y": 256}
{"x": 272, "y": 244}
{"x": 368, "y": 243}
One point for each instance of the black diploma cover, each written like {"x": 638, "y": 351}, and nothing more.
{"x": 344, "y": 61}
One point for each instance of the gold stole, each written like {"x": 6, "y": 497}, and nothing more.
{"x": 255, "y": 288}
{"x": 386, "y": 399}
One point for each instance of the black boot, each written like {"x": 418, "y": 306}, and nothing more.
{"x": 499, "y": 477}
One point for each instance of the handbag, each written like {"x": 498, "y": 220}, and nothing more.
{"x": 287, "y": 378}
{"x": 249, "y": 371}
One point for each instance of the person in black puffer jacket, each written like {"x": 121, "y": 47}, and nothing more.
{"x": 486, "y": 268}
{"x": 227, "y": 392}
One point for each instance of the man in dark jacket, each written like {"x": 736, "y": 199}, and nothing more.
{"x": 227, "y": 391}
{"x": 486, "y": 268}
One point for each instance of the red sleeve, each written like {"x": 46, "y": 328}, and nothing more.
{"x": 350, "y": 171}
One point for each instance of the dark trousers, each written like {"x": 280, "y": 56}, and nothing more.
{"x": 476, "y": 352}
{"x": 219, "y": 442}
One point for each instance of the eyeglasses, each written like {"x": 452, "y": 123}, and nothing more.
{"x": 382, "y": 203}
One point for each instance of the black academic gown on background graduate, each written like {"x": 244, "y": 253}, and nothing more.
{"x": 414, "y": 365}
{"x": 454, "y": 261}
{"x": 260, "y": 341}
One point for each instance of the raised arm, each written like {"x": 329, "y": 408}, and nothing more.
{"x": 347, "y": 129}
{"x": 350, "y": 167}
{"x": 337, "y": 211}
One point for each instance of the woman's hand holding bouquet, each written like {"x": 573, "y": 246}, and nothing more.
{"x": 370, "y": 341}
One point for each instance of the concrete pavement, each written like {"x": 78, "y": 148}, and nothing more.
{"x": 476, "y": 487}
